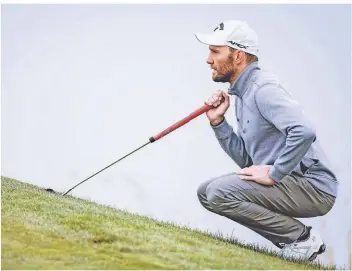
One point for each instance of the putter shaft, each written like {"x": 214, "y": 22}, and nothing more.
{"x": 173, "y": 127}
{"x": 105, "y": 168}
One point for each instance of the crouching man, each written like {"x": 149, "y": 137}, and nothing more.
{"x": 284, "y": 174}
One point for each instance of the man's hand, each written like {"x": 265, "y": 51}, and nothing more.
{"x": 258, "y": 174}
{"x": 221, "y": 102}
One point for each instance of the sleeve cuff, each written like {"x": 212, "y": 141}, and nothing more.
{"x": 222, "y": 130}
{"x": 276, "y": 174}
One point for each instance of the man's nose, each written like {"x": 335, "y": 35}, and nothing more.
{"x": 210, "y": 60}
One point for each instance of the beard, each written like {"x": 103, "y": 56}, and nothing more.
{"x": 225, "y": 72}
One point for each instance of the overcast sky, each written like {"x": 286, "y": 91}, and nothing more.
{"x": 82, "y": 85}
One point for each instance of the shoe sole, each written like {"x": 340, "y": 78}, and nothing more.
{"x": 320, "y": 251}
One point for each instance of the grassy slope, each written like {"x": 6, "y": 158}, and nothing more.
{"x": 47, "y": 231}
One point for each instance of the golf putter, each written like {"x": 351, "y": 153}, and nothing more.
{"x": 152, "y": 139}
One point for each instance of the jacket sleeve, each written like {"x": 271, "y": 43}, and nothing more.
{"x": 232, "y": 144}
{"x": 276, "y": 105}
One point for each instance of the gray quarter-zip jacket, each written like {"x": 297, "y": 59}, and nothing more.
{"x": 272, "y": 130}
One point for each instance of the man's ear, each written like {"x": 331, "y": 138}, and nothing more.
{"x": 240, "y": 56}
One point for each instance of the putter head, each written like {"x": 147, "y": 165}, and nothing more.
{"x": 50, "y": 190}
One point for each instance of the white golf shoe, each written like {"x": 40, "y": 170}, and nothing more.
{"x": 307, "y": 249}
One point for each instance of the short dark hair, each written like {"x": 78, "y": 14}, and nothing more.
{"x": 250, "y": 58}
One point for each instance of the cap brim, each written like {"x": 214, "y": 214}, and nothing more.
{"x": 210, "y": 39}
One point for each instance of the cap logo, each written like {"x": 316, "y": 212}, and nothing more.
{"x": 220, "y": 27}
{"x": 239, "y": 45}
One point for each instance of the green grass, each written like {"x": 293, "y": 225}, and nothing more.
{"x": 41, "y": 230}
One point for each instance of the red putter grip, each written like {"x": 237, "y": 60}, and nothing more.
{"x": 182, "y": 122}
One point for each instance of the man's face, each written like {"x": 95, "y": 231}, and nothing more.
{"x": 220, "y": 60}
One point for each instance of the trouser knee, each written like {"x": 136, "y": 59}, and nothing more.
{"x": 220, "y": 199}
{"x": 220, "y": 194}
{"x": 201, "y": 193}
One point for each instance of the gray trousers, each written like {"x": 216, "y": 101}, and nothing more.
{"x": 267, "y": 210}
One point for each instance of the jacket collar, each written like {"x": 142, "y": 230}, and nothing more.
{"x": 240, "y": 86}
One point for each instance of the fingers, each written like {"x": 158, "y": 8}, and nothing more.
{"x": 248, "y": 178}
{"x": 225, "y": 98}
{"x": 216, "y": 99}
{"x": 246, "y": 171}
{"x": 225, "y": 95}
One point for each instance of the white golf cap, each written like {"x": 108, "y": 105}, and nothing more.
{"x": 235, "y": 34}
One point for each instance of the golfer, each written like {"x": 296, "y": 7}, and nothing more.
{"x": 284, "y": 173}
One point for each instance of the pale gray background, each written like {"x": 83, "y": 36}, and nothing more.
{"x": 84, "y": 85}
